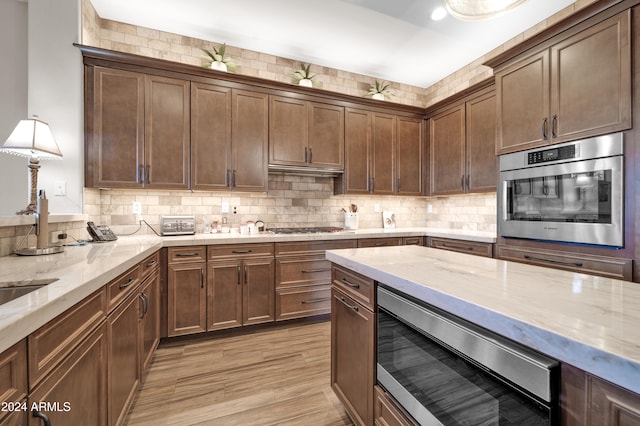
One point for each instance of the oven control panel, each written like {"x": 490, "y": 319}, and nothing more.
{"x": 566, "y": 152}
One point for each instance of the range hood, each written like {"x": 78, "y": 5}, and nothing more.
{"x": 304, "y": 170}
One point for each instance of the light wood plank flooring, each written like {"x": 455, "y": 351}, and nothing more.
{"x": 272, "y": 376}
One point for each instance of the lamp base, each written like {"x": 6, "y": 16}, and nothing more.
{"x": 32, "y": 251}
{"x": 30, "y": 209}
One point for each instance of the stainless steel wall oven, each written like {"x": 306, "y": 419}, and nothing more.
{"x": 571, "y": 192}
{"x": 446, "y": 371}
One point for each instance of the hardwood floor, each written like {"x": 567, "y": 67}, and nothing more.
{"x": 271, "y": 376}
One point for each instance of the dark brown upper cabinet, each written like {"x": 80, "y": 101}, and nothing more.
{"x": 462, "y": 140}
{"x": 305, "y": 134}
{"x": 139, "y": 134}
{"x": 576, "y": 86}
{"x": 383, "y": 154}
{"x": 229, "y": 139}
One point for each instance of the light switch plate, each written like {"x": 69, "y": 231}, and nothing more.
{"x": 60, "y": 188}
{"x": 376, "y": 208}
{"x": 137, "y": 207}
{"x": 225, "y": 207}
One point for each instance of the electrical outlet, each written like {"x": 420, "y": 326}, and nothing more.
{"x": 60, "y": 188}
{"x": 376, "y": 208}
{"x": 137, "y": 207}
{"x": 429, "y": 208}
{"x": 225, "y": 207}
{"x": 54, "y": 236}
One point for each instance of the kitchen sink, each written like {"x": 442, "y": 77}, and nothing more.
{"x": 10, "y": 290}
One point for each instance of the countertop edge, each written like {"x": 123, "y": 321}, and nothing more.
{"x": 611, "y": 367}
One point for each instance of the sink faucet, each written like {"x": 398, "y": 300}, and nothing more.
{"x": 42, "y": 220}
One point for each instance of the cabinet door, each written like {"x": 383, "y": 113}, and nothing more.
{"x": 78, "y": 385}
{"x": 258, "y": 293}
{"x": 288, "y": 144}
{"x": 186, "y": 299}
{"x": 224, "y": 294}
{"x": 114, "y": 151}
{"x": 357, "y": 138}
{"x": 352, "y": 356}
{"x": 447, "y": 131}
{"x": 167, "y": 131}
{"x": 410, "y": 153}
{"x": 326, "y": 136}
{"x": 481, "y": 159}
{"x": 124, "y": 358}
{"x": 522, "y": 92}
{"x": 249, "y": 135}
{"x": 611, "y": 405}
{"x": 591, "y": 81}
{"x": 149, "y": 298}
{"x": 13, "y": 380}
{"x": 383, "y": 158}
{"x": 210, "y": 137}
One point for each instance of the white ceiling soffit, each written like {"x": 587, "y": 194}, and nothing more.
{"x": 394, "y": 40}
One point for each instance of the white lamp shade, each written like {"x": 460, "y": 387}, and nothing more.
{"x": 30, "y": 138}
{"x": 478, "y": 10}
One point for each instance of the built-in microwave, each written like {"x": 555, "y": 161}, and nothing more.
{"x": 571, "y": 192}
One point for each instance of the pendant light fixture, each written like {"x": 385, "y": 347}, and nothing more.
{"x": 479, "y": 10}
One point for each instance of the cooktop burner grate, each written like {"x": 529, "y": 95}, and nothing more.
{"x": 306, "y": 230}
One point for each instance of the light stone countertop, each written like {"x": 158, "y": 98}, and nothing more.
{"x": 590, "y": 322}
{"x": 81, "y": 270}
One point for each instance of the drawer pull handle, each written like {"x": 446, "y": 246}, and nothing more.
{"x": 187, "y": 254}
{"x": 558, "y": 262}
{"x": 150, "y": 264}
{"x": 352, "y": 285}
{"x": 457, "y": 247}
{"x": 311, "y": 271}
{"x": 318, "y": 300}
{"x": 241, "y": 251}
{"x": 238, "y": 274}
{"x": 353, "y": 307}
{"x": 127, "y": 284}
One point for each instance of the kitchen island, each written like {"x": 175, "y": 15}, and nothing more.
{"x": 581, "y": 320}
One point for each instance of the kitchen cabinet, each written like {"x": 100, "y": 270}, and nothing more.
{"x": 77, "y": 387}
{"x": 186, "y": 290}
{"x": 380, "y": 242}
{"x": 353, "y": 343}
{"x": 462, "y": 141}
{"x": 575, "y": 86}
{"x": 305, "y": 133}
{"x": 412, "y": 241}
{"x": 137, "y": 130}
{"x": 303, "y": 277}
{"x": 229, "y": 139}
{"x": 462, "y": 246}
{"x": 383, "y": 154}
{"x": 240, "y": 285}
{"x": 149, "y": 298}
{"x": 611, "y": 267}
{"x": 387, "y": 412}
{"x": 13, "y": 383}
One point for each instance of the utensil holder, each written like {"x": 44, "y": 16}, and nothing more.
{"x": 350, "y": 220}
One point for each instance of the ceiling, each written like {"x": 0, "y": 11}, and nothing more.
{"x": 394, "y": 40}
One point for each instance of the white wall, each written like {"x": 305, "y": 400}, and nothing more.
{"x": 14, "y": 182}
{"x": 55, "y": 94}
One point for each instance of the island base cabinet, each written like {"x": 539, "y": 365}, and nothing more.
{"x": 13, "y": 384}
{"x": 387, "y": 412}
{"x": 75, "y": 393}
{"x": 352, "y": 355}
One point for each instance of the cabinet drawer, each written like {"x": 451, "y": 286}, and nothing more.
{"x": 462, "y": 246}
{"x": 13, "y": 377}
{"x": 380, "y": 242}
{"x": 235, "y": 251}
{"x": 355, "y": 285}
{"x": 121, "y": 287}
{"x": 55, "y": 340}
{"x": 387, "y": 412}
{"x": 611, "y": 267}
{"x": 312, "y": 247}
{"x": 187, "y": 254}
{"x": 148, "y": 265}
{"x": 303, "y": 302}
{"x": 302, "y": 271}
{"x": 413, "y": 241}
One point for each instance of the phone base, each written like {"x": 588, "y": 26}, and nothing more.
{"x": 32, "y": 251}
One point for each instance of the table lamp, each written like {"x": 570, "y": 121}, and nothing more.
{"x": 32, "y": 138}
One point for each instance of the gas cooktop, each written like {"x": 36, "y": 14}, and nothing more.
{"x": 306, "y": 230}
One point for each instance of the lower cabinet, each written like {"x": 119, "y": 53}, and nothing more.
{"x": 149, "y": 298}
{"x": 75, "y": 392}
{"x": 386, "y": 412}
{"x": 13, "y": 385}
{"x": 380, "y": 242}
{"x": 352, "y": 345}
{"x": 462, "y": 246}
{"x": 186, "y": 292}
